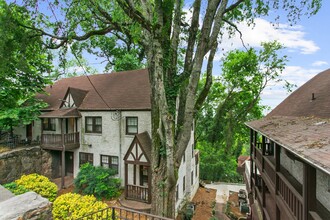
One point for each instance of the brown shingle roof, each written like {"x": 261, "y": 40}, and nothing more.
{"x": 301, "y": 123}
{"x": 307, "y": 137}
{"x": 300, "y": 102}
{"x": 62, "y": 113}
{"x": 128, "y": 90}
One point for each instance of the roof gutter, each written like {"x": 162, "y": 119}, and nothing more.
{"x": 287, "y": 148}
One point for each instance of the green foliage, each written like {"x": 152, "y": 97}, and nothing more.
{"x": 215, "y": 165}
{"x": 15, "y": 188}
{"x": 97, "y": 181}
{"x": 23, "y": 60}
{"x": 39, "y": 184}
{"x": 234, "y": 98}
{"x": 73, "y": 206}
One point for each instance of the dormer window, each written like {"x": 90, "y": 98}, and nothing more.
{"x": 68, "y": 102}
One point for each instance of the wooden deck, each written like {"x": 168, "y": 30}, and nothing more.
{"x": 55, "y": 142}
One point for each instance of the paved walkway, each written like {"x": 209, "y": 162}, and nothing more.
{"x": 222, "y": 196}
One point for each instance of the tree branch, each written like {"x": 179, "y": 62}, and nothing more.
{"x": 236, "y": 28}
{"x": 132, "y": 12}
{"x": 208, "y": 83}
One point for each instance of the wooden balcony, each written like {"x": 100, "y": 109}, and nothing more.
{"x": 54, "y": 141}
{"x": 291, "y": 197}
{"x": 138, "y": 193}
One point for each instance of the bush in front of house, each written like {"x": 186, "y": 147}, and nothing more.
{"x": 97, "y": 181}
{"x": 73, "y": 206}
{"x": 16, "y": 189}
{"x": 39, "y": 184}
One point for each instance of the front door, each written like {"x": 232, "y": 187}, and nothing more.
{"x": 68, "y": 163}
{"x": 29, "y": 132}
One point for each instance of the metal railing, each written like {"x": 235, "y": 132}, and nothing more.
{"x": 119, "y": 213}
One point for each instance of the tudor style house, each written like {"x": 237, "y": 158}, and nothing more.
{"x": 288, "y": 176}
{"x": 105, "y": 120}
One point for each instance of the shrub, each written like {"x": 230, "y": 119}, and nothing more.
{"x": 72, "y": 206}
{"x": 16, "y": 189}
{"x": 97, "y": 181}
{"x": 39, "y": 184}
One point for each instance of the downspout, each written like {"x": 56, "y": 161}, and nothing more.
{"x": 120, "y": 150}
{"x": 63, "y": 156}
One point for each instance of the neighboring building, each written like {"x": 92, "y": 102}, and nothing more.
{"x": 290, "y": 155}
{"x": 105, "y": 120}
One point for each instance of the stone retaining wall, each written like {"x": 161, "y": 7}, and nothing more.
{"x": 15, "y": 163}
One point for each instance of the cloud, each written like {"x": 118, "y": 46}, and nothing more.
{"x": 274, "y": 94}
{"x": 292, "y": 37}
{"x": 319, "y": 63}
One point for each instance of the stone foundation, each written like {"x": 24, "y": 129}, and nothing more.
{"x": 15, "y": 163}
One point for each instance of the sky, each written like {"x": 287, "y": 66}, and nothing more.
{"x": 307, "y": 46}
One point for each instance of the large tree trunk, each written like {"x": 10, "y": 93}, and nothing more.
{"x": 163, "y": 168}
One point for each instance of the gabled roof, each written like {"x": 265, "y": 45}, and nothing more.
{"x": 301, "y": 102}
{"x": 127, "y": 90}
{"x": 77, "y": 95}
{"x": 62, "y": 113}
{"x": 301, "y": 123}
{"x": 140, "y": 146}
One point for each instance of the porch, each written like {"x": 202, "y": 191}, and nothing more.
{"x": 138, "y": 170}
{"x": 56, "y": 141}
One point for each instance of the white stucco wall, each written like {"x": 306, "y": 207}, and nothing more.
{"x": 186, "y": 167}
{"x": 113, "y": 140}
{"x": 296, "y": 169}
{"x": 293, "y": 166}
{"x": 322, "y": 188}
{"x": 36, "y": 130}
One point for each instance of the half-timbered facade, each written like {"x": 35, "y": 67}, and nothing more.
{"x": 105, "y": 120}
{"x": 288, "y": 176}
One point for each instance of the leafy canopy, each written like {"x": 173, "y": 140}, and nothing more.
{"x": 23, "y": 61}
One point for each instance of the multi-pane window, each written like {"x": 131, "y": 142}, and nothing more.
{"x": 85, "y": 158}
{"x": 110, "y": 162}
{"x": 131, "y": 125}
{"x": 49, "y": 124}
{"x": 93, "y": 124}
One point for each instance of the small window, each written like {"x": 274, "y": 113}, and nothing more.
{"x": 131, "y": 125}
{"x": 192, "y": 150}
{"x": 184, "y": 184}
{"x": 110, "y": 162}
{"x": 184, "y": 157}
{"x": 49, "y": 124}
{"x": 192, "y": 177}
{"x": 93, "y": 124}
{"x": 177, "y": 193}
{"x": 85, "y": 158}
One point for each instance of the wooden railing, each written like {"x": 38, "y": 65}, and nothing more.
{"x": 116, "y": 213}
{"x": 291, "y": 197}
{"x": 139, "y": 193}
{"x": 259, "y": 156}
{"x": 269, "y": 169}
{"x": 55, "y": 140}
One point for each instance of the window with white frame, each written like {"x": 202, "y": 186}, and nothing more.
{"x": 131, "y": 125}
{"x": 111, "y": 162}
